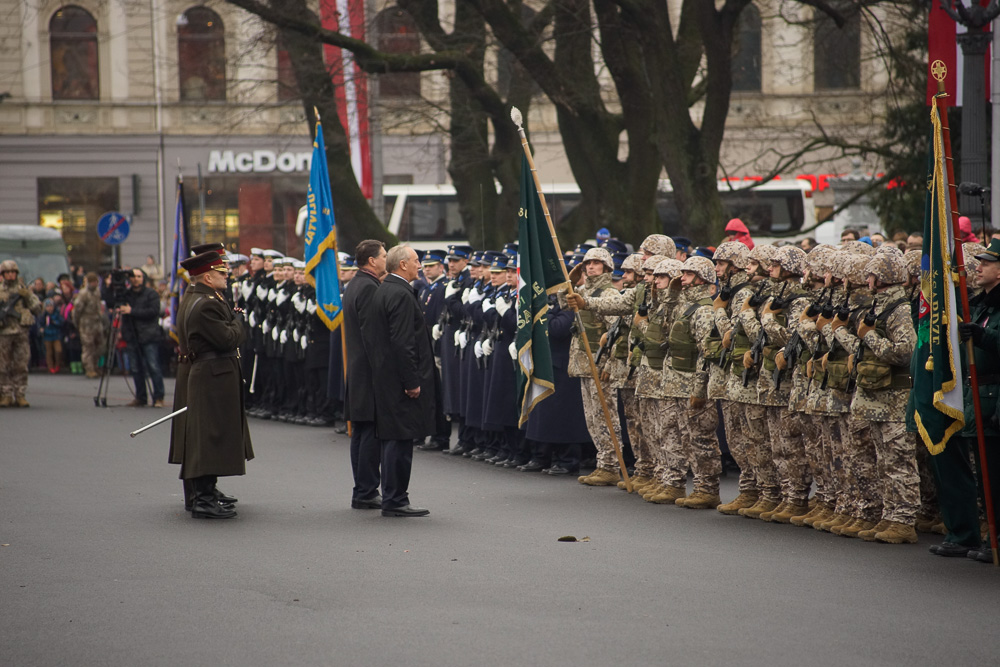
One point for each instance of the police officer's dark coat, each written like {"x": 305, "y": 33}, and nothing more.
{"x": 359, "y": 295}
{"x": 213, "y": 437}
{"x": 399, "y": 346}
{"x": 559, "y": 418}
{"x": 432, "y": 301}
{"x": 475, "y": 379}
{"x": 451, "y": 367}
{"x": 499, "y": 404}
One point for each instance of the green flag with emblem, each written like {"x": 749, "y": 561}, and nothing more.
{"x": 936, "y": 366}
{"x": 539, "y": 274}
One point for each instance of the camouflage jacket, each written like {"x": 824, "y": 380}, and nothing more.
{"x": 680, "y": 384}
{"x": 778, "y": 336}
{"x": 896, "y": 348}
{"x": 578, "y": 365}
{"x": 748, "y": 322}
{"x": 86, "y": 314}
{"x": 618, "y": 369}
{"x": 649, "y": 381}
{"x": 611, "y": 302}
{"x": 839, "y": 402}
{"x": 23, "y": 314}
{"x": 718, "y": 377}
{"x": 814, "y": 398}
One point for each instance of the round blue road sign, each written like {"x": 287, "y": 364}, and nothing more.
{"x": 112, "y": 228}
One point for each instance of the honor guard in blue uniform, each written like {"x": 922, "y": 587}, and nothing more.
{"x": 431, "y": 296}
{"x": 448, "y": 325}
{"x": 470, "y": 340}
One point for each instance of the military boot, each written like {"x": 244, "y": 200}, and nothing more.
{"x": 939, "y": 528}
{"x": 897, "y": 533}
{"x": 744, "y": 500}
{"x": 836, "y": 530}
{"x": 205, "y": 505}
{"x": 856, "y": 528}
{"x": 583, "y": 478}
{"x": 801, "y": 519}
{"x": 869, "y": 534}
{"x": 6, "y": 401}
{"x": 766, "y": 516}
{"x": 602, "y": 477}
{"x": 21, "y": 402}
{"x": 925, "y": 524}
{"x": 650, "y": 491}
{"x": 669, "y": 495}
{"x": 821, "y": 515}
{"x": 637, "y": 484}
{"x": 699, "y": 500}
{"x": 832, "y": 522}
{"x": 762, "y": 505}
{"x": 791, "y": 510}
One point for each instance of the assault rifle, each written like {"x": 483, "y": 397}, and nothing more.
{"x": 819, "y": 305}
{"x": 756, "y": 352}
{"x": 7, "y": 310}
{"x": 613, "y": 334}
{"x": 869, "y": 320}
{"x": 792, "y": 351}
{"x": 641, "y": 345}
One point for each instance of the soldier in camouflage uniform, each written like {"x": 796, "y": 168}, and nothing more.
{"x": 886, "y": 340}
{"x": 19, "y": 307}
{"x": 598, "y": 265}
{"x": 778, "y": 318}
{"x": 90, "y": 320}
{"x": 731, "y": 259}
{"x": 690, "y": 434}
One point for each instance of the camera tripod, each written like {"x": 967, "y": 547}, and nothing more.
{"x": 110, "y": 361}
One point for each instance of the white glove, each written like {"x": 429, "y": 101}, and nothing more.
{"x": 246, "y": 289}
{"x": 298, "y": 302}
{"x": 488, "y": 346}
{"x": 274, "y": 334}
{"x": 478, "y": 349}
{"x": 261, "y": 292}
{"x": 253, "y": 319}
{"x": 458, "y": 338}
{"x": 266, "y": 327}
{"x": 451, "y": 290}
{"x": 304, "y": 342}
{"x": 283, "y": 338}
{"x": 465, "y": 295}
{"x": 513, "y": 351}
{"x": 476, "y": 296}
{"x": 281, "y": 297}
{"x": 488, "y": 305}
{"x": 503, "y": 305}
{"x": 311, "y": 307}
{"x": 463, "y": 339}
{"x": 271, "y": 294}
{"x": 436, "y": 332}
{"x": 295, "y": 335}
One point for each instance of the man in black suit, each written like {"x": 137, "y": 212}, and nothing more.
{"x": 359, "y": 403}
{"x": 399, "y": 346}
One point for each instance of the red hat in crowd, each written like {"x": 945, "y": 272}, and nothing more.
{"x": 735, "y": 227}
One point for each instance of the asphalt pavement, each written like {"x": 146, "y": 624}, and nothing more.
{"x": 100, "y": 565}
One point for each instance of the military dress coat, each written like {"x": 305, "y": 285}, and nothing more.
{"x": 451, "y": 321}
{"x": 212, "y": 437}
{"x": 399, "y": 345}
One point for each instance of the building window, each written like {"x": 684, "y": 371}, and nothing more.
{"x": 398, "y": 34}
{"x": 73, "y": 54}
{"x": 288, "y": 89}
{"x": 201, "y": 55}
{"x": 73, "y": 206}
{"x": 746, "y": 51}
{"x": 837, "y": 51}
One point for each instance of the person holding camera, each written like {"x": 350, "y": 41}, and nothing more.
{"x": 18, "y": 309}
{"x": 140, "y": 311}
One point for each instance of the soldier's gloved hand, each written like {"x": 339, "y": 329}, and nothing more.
{"x": 576, "y": 274}
{"x": 451, "y": 290}
{"x": 238, "y": 314}
{"x": 478, "y": 349}
{"x": 261, "y": 292}
{"x": 638, "y": 319}
{"x": 604, "y": 339}
{"x": 748, "y": 359}
{"x": 283, "y": 338}
{"x": 850, "y": 363}
{"x": 865, "y": 328}
{"x": 304, "y": 342}
{"x": 476, "y": 296}
{"x": 436, "y": 332}
{"x": 265, "y": 327}
{"x": 488, "y": 305}
{"x": 487, "y": 347}
{"x": 503, "y": 305}
{"x": 465, "y": 295}
{"x": 675, "y": 285}
{"x": 746, "y": 306}
{"x": 719, "y": 303}
{"x": 804, "y": 317}
{"x": 274, "y": 335}
{"x": 253, "y": 319}
{"x": 271, "y": 294}
{"x": 839, "y": 322}
{"x": 810, "y": 369}
{"x": 457, "y": 338}
{"x": 727, "y": 339}
{"x": 823, "y": 361}
{"x": 697, "y": 403}
{"x": 463, "y": 339}
{"x": 769, "y": 308}
{"x": 575, "y": 301}
{"x": 281, "y": 297}
{"x": 246, "y": 289}
{"x": 513, "y": 351}
{"x": 780, "y": 361}
{"x": 311, "y": 307}
{"x": 605, "y": 376}
{"x": 967, "y": 330}
{"x": 296, "y": 335}
{"x": 822, "y": 322}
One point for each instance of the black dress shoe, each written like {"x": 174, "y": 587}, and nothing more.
{"x": 405, "y": 510}
{"x": 510, "y": 463}
{"x": 432, "y": 446}
{"x": 950, "y": 550}
{"x": 458, "y": 451}
{"x": 373, "y": 503}
{"x": 342, "y": 430}
{"x": 556, "y": 470}
{"x": 470, "y": 453}
{"x": 532, "y": 466}
{"x": 224, "y": 499}
{"x": 496, "y": 460}
{"x": 984, "y": 554}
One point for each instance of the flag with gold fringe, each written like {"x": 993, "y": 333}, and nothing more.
{"x": 321, "y": 238}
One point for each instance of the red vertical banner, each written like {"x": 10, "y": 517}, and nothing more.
{"x": 941, "y": 50}
{"x": 350, "y": 84}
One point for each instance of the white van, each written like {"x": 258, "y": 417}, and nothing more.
{"x": 40, "y": 252}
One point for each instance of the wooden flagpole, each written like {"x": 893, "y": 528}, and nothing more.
{"x": 515, "y": 115}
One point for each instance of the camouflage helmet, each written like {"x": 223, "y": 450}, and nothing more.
{"x": 913, "y": 259}
{"x": 601, "y": 255}
{"x": 858, "y": 248}
{"x": 650, "y": 262}
{"x": 701, "y": 267}
{"x": 668, "y": 266}
{"x": 9, "y": 265}
{"x": 791, "y": 258}
{"x": 888, "y": 249}
{"x": 890, "y": 269}
{"x": 734, "y": 252}
{"x": 762, "y": 253}
{"x": 659, "y": 244}
{"x": 856, "y": 269}
{"x": 632, "y": 263}
{"x": 970, "y": 250}
{"x": 818, "y": 259}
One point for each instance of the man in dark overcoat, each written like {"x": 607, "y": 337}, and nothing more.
{"x": 359, "y": 403}
{"x": 399, "y": 346}
{"x": 213, "y": 439}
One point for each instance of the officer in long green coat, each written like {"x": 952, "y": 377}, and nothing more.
{"x": 213, "y": 439}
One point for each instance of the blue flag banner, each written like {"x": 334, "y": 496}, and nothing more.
{"x": 321, "y": 238}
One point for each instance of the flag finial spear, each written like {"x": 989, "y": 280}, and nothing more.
{"x": 515, "y": 115}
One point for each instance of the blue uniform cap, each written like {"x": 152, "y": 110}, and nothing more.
{"x": 512, "y": 262}
{"x": 460, "y": 251}
{"x": 433, "y": 257}
{"x": 682, "y": 243}
{"x": 603, "y": 234}
{"x": 499, "y": 263}
{"x": 510, "y": 248}
{"x": 614, "y": 245}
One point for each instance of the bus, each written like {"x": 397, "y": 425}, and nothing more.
{"x": 427, "y": 216}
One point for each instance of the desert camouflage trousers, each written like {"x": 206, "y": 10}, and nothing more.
{"x": 789, "y": 452}
{"x": 762, "y": 457}
{"x": 813, "y": 443}
{"x": 896, "y": 467}
{"x": 740, "y": 443}
{"x": 645, "y": 464}
{"x": 863, "y": 485}
{"x": 833, "y": 438}
{"x": 92, "y": 347}
{"x": 652, "y": 413}
{"x": 596, "y": 424}
{"x": 15, "y": 355}
{"x": 690, "y": 441}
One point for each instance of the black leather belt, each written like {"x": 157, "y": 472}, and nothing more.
{"x": 205, "y": 356}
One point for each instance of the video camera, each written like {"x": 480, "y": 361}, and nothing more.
{"x": 119, "y": 287}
